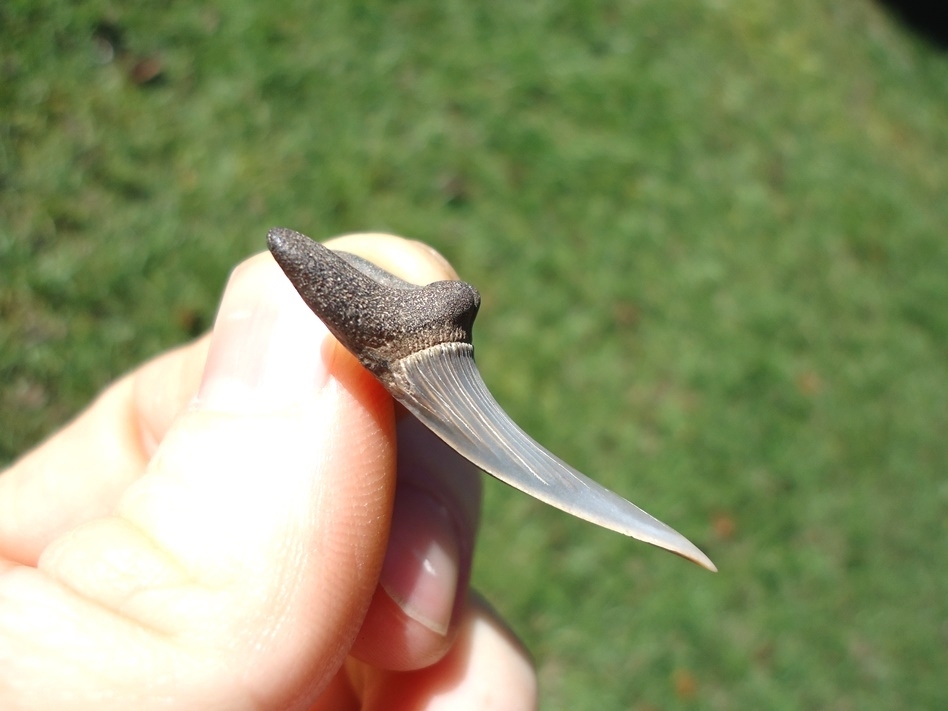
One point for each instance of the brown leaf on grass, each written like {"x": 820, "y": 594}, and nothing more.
{"x": 146, "y": 70}
{"x": 724, "y": 526}
{"x": 686, "y": 686}
{"x": 809, "y": 383}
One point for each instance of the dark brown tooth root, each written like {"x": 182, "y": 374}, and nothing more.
{"x": 376, "y": 316}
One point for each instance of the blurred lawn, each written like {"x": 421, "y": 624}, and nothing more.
{"x": 712, "y": 240}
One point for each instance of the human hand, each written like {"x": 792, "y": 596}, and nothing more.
{"x": 218, "y": 530}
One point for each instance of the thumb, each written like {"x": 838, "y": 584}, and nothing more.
{"x": 255, "y": 538}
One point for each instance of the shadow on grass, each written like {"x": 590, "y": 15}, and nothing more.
{"x": 924, "y": 17}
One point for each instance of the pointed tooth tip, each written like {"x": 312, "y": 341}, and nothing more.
{"x": 689, "y": 551}
{"x": 701, "y": 559}
{"x": 667, "y": 538}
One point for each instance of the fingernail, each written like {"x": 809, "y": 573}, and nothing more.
{"x": 420, "y": 573}
{"x": 266, "y": 350}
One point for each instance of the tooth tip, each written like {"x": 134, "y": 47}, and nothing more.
{"x": 702, "y": 560}
{"x": 650, "y": 530}
{"x": 689, "y": 551}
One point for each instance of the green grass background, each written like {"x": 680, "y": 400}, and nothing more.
{"x": 711, "y": 240}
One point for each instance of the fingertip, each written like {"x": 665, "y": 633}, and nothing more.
{"x": 162, "y": 389}
{"x": 410, "y": 260}
{"x": 414, "y": 614}
{"x": 500, "y": 673}
{"x": 410, "y": 623}
{"x": 487, "y": 667}
{"x": 421, "y": 569}
{"x": 267, "y": 348}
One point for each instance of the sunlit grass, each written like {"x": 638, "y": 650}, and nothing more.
{"x": 711, "y": 244}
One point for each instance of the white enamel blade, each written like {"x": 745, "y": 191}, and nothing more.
{"x": 442, "y": 387}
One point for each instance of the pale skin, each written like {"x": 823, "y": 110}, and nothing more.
{"x": 223, "y": 528}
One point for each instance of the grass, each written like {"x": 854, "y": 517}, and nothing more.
{"x": 711, "y": 240}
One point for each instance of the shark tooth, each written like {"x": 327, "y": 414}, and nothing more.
{"x": 417, "y": 341}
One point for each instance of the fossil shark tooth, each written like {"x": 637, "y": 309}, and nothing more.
{"x": 417, "y": 341}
